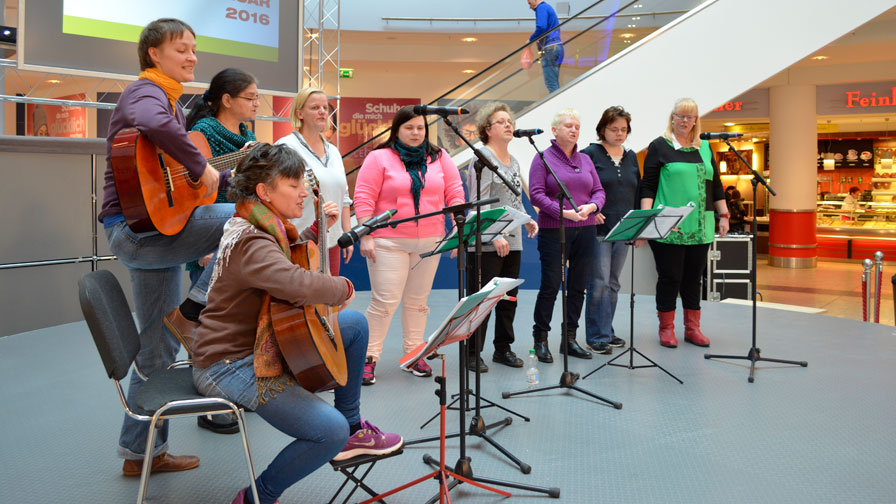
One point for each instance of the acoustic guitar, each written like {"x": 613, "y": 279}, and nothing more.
{"x": 155, "y": 191}
{"x": 308, "y": 336}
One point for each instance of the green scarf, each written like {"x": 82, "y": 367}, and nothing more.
{"x": 414, "y": 159}
{"x": 220, "y": 139}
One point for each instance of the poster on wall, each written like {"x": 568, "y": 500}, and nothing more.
{"x": 361, "y": 119}
{"x": 57, "y": 120}
{"x": 846, "y": 153}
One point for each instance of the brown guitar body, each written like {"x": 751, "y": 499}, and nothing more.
{"x": 309, "y": 336}
{"x": 155, "y": 191}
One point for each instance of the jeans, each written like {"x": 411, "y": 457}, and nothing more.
{"x": 156, "y": 264}
{"x": 319, "y": 430}
{"x": 551, "y": 57}
{"x": 579, "y": 252}
{"x": 505, "y": 311}
{"x": 679, "y": 270}
{"x": 603, "y": 290}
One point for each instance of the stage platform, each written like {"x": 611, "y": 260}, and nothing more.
{"x": 797, "y": 435}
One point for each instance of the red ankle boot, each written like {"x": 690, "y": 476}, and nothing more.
{"x": 667, "y": 329}
{"x": 692, "y": 333}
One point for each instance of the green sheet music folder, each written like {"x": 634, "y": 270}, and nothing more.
{"x": 631, "y": 226}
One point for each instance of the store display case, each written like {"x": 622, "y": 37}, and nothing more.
{"x": 859, "y": 233}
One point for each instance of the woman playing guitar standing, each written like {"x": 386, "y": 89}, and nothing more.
{"x": 237, "y": 355}
{"x": 167, "y": 51}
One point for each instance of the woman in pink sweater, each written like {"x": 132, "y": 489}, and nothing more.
{"x": 411, "y": 174}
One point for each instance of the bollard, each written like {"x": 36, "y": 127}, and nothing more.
{"x": 866, "y": 292}
{"x": 878, "y": 277}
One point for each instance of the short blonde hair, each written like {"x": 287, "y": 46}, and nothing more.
{"x": 299, "y": 102}
{"x": 484, "y": 116}
{"x": 567, "y": 112}
{"x": 686, "y": 106}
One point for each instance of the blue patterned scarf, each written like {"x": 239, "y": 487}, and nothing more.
{"x": 414, "y": 159}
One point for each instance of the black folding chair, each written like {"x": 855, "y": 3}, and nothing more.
{"x": 168, "y": 393}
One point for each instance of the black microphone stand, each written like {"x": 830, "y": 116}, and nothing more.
{"x": 567, "y": 379}
{"x": 463, "y": 466}
{"x": 753, "y": 354}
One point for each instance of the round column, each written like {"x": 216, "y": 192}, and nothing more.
{"x": 793, "y": 148}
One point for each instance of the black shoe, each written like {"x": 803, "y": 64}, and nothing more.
{"x": 602, "y": 348}
{"x": 206, "y": 422}
{"x": 508, "y": 358}
{"x": 574, "y": 350}
{"x": 473, "y": 360}
{"x": 543, "y": 352}
{"x": 617, "y": 342}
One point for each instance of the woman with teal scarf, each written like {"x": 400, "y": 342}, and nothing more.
{"x": 408, "y": 173}
{"x": 220, "y": 115}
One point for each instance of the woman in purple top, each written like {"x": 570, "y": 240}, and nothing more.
{"x": 577, "y": 172}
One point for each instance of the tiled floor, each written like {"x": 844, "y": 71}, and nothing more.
{"x": 835, "y": 287}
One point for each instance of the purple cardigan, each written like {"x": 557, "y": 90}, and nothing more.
{"x": 145, "y": 106}
{"x": 580, "y": 178}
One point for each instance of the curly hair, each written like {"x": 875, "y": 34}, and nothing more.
{"x": 485, "y": 114}
{"x": 265, "y": 164}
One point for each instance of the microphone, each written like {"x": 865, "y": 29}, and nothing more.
{"x": 350, "y": 237}
{"x": 442, "y": 111}
{"x": 719, "y": 136}
{"x": 520, "y": 133}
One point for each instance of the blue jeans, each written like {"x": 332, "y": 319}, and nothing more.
{"x": 551, "y": 57}
{"x": 320, "y": 430}
{"x": 155, "y": 262}
{"x": 603, "y": 290}
{"x": 579, "y": 252}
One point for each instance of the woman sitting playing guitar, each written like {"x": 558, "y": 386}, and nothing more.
{"x": 236, "y": 354}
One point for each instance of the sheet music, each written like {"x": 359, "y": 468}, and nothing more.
{"x": 663, "y": 223}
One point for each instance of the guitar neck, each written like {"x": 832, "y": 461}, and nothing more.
{"x": 227, "y": 161}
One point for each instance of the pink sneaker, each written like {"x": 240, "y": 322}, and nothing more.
{"x": 368, "y": 377}
{"x": 420, "y": 368}
{"x": 370, "y": 440}
{"x": 242, "y": 495}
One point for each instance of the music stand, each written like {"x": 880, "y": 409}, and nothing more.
{"x": 463, "y": 320}
{"x": 636, "y": 225}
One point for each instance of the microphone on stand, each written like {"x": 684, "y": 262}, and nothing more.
{"x": 520, "y": 133}
{"x": 350, "y": 237}
{"x": 442, "y": 111}
{"x": 719, "y": 136}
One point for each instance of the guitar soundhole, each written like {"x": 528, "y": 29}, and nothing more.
{"x": 326, "y": 325}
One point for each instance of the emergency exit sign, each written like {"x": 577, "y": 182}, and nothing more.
{"x": 346, "y": 73}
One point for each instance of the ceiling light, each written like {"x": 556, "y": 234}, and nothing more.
{"x": 728, "y": 124}
{"x": 755, "y": 140}
{"x": 468, "y": 71}
{"x": 819, "y": 57}
{"x": 469, "y": 39}
{"x": 53, "y": 81}
{"x": 626, "y": 35}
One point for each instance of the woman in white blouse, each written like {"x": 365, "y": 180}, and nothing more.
{"x": 310, "y": 117}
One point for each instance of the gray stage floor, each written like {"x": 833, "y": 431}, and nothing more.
{"x": 817, "y": 434}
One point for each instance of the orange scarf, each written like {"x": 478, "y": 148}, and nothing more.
{"x": 171, "y": 87}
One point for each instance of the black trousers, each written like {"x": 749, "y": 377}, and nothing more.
{"x": 579, "y": 252}
{"x": 679, "y": 270}
{"x": 505, "y": 311}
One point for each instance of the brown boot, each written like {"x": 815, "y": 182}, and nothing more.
{"x": 184, "y": 329}
{"x": 161, "y": 463}
{"x": 667, "y": 329}
{"x": 692, "y": 333}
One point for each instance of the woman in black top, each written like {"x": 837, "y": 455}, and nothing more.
{"x": 617, "y": 167}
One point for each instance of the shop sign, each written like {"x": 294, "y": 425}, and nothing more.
{"x": 360, "y": 119}
{"x": 57, "y": 120}
{"x": 753, "y": 103}
{"x": 857, "y": 98}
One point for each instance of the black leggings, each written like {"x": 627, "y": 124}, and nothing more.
{"x": 679, "y": 270}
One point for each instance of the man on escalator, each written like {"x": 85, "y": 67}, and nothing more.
{"x": 550, "y": 47}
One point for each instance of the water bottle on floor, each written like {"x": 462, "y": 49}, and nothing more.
{"x": 532, "y": 375}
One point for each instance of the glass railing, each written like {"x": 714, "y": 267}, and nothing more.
{"x": 590, "y": 37}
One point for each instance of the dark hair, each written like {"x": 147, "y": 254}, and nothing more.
{"x": 611, "y": 115}
{"x": 735, "y": 195}
{"x": 402, "y": 116}
{"x": 265, "y": 164}
{"x": 157, "y": 33}
{"x": 854, "y": 189}
{"x": 230, "y": 81}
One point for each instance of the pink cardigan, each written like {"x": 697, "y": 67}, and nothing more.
{"x": 384, "y": 184}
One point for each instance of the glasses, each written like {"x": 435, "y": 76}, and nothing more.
{"x": 685, "y": 117}
{"x": 253, "y": 99}
{"x": 502, "y": 123}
